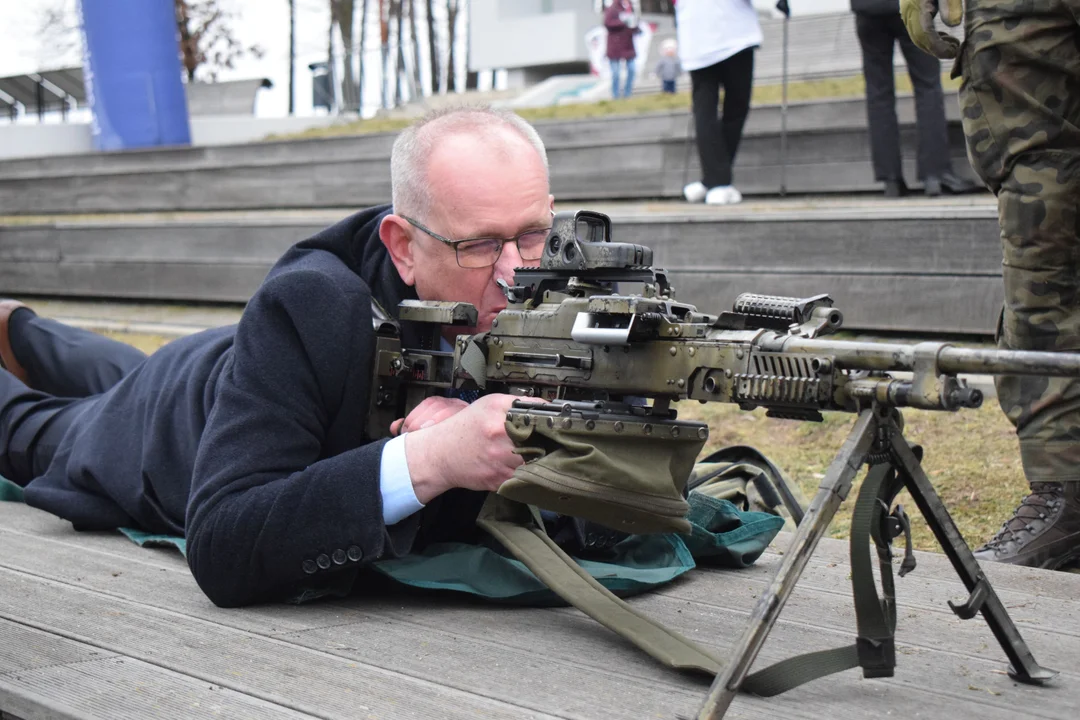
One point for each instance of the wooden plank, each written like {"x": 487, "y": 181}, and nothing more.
{"x": 75, "y": 680}
{"x": 416, "y": 635}
{"x": 308, "y": 681}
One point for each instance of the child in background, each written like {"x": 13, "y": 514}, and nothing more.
{"x": 668, "y": 68}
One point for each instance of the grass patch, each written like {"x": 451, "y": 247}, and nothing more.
{"x": 762, "y": 95}
{"x": 971, "y": 456}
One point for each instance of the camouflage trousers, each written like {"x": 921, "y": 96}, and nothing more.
{"x": 1020, "y": 103}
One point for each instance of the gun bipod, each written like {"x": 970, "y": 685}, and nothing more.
{"x": 877, "y": 439}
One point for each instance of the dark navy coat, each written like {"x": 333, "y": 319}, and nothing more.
{"x": 249, "y": 440}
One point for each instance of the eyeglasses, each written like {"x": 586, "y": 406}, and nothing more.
{"x": 485, "y": 252}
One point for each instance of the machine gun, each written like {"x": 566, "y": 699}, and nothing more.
{"x": 613, "y": 362}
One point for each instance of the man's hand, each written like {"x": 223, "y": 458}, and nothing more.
{"x": 918, "y": 16}
{"x": 467, "y": 447}
{"x": 432, "y": 410}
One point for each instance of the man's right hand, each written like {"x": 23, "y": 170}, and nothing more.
{"x": 467, "y": 449}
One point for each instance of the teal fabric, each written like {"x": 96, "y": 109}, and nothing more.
{"x": 150, "y": 540}
{"x": 638, "y": 563}
{"x": 9, "y": 491}
{"x": 724, "y": 535}
{"x": 721, "y": 534}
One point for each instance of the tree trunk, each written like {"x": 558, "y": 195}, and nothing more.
{"x": 433, "y": 48}
{"x": 363, "y": 37}
{"x": 452, "y": 8}
{"x": 189, "y": 49}
{"x": 344, "y": 12}
{"x": 418, "y": 82}
{"x": 401, "y": 72}
{"x": 384, "y": 37}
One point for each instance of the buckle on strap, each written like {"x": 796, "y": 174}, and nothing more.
{"x": 877, "y": 657}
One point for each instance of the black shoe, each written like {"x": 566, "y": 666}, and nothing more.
{"x": 8, "y": 361}
{"x": 958, "y": 185}
{"x": 932, "y": 186}
{"x": 895, "y": 188}
{"x": 1044, "y": 532}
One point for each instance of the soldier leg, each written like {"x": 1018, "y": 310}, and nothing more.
{"x": 1021, "y": 111}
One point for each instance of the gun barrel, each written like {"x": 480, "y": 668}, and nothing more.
{"x": 894, "y": 356}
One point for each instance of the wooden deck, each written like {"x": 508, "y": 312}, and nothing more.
{"x": 93, "y": 626}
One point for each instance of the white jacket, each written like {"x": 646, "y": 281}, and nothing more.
{"x": 713, "y": 30}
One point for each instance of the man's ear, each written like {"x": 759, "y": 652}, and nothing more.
{"x": 395, "y": 236}
{"x": 551, "y": 202}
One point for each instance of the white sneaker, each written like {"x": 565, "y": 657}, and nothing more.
{"x": 723, "y": 195}
{"x": 695, "y": 192}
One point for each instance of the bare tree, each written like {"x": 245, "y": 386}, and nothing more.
{"x": 384, "y": 37}
{"x": 58, "y": 28}
{"x": 342, "y": 13}
{"x": 418, "y": 82}
{"x": 360, "y": 52}
{"x": 453, "y": 9}
{"x": 433, "y": 48}
{"x": 401, "y": 73}
{"x": 207, "y": 40}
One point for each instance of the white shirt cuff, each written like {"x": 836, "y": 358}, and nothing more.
{"x": 395, "y": 483}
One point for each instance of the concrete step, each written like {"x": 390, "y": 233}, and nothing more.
{"x": 631, "y": 157}
{"x": 910, "y": 265}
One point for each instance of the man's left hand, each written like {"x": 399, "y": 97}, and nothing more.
{"x": 432, "y": 410}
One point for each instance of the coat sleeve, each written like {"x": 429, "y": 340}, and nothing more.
{"x": 612, "y": 21}
{"x": 270, "y": 512}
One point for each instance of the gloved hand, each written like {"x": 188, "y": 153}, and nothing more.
{"x": 918, "y": 16}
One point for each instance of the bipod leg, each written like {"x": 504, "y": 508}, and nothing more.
{"x": 831, "y": 493}
{"x": 983, "y": 598}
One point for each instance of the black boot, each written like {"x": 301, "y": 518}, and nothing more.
{"x": 1044, "y": 532}
{"x": 932, "y": 186}
{"x": 958, "y": 185}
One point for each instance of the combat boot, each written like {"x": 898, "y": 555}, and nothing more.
{"x": 1044, "y": 532}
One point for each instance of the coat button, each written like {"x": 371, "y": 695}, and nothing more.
{"x": 309, "y": 567}
{"x": 338, "y": 557}
{"x": 355, "y": 553}
{"x": 323, "y": 561}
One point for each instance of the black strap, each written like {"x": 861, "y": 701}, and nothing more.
{"x": 874, "y": 649}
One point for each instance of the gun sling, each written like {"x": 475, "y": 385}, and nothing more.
{"x": 520, "y": 530}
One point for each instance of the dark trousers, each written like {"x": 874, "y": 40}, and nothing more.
{"x": 718, "y": 137}
{"x": 877, "y": 33}
{"x": 67, "y": 368}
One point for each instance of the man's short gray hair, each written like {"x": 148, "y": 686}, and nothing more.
{"x": 412, "y": 148}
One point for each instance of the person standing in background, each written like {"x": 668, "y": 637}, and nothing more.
{"x": 621, "y": 23}
{"x": 668, "y": 68}
{"x": 879, "y": 27}
{"x": 717, "y": 39}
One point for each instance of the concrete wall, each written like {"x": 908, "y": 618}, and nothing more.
{"x": 41, "y": 140}
{"x": 523, "y": 33}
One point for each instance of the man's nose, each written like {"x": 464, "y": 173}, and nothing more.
{"x": 509, "y": 260}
